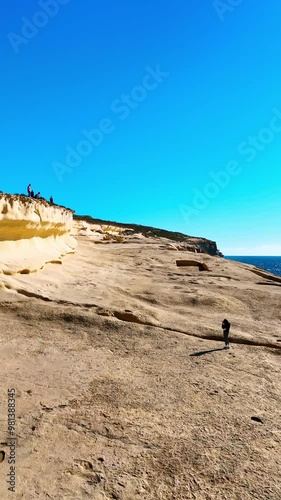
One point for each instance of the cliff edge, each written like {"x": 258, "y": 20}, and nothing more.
{"x": 32, "y": 233}
{"x": 189, "y": 243}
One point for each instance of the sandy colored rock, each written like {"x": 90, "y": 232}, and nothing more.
{"x": 32, "y": 233}
{"x": 112, "y": 408}
{"x": 202, "y": 266}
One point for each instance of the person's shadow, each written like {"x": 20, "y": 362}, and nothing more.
{"x": 201, "y": 353}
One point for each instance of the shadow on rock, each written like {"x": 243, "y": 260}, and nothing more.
{"x": 201, "y": 353}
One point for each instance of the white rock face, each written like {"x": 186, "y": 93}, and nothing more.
{"x": 32, "y": 233}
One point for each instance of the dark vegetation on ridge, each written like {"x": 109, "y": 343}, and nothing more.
{"x": 192, "y": 243}
{"x": 203, "y": 245}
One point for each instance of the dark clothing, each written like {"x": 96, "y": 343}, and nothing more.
{"x": 225, "y": 336}
{"x": 226, "y": 327}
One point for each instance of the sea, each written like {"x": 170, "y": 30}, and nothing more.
{"x": 270, "y": 264}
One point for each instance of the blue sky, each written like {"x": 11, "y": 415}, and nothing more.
{"x": 122, "y": 111}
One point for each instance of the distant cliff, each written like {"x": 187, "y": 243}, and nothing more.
{"x": 208, "y": 246}
{"x": 191, "y": 243}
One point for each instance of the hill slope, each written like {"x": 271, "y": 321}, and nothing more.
{"x": 123, "y": 390}
{"x": 192, "y": 243}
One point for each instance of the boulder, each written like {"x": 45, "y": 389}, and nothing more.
{"x": 201, "y": 265}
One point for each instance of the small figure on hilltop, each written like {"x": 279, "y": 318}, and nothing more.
{"x": 52, "y": 200}
{"x": 226, "y": 327}
{"x": 38, "y": 196}
{"x": 29, "y": 190}
{"x": 32, "y": 194}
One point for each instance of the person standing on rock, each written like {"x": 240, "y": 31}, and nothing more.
{"x": 226, "y": 327}
{"x": 29, "y": 189}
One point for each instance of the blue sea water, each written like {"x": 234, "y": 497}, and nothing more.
{"x": 270, "y": 264}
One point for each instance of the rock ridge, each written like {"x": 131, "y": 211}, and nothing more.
{"x": 191, "y": 243}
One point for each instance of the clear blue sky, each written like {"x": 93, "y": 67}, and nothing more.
{"x": 173, "y": 91}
